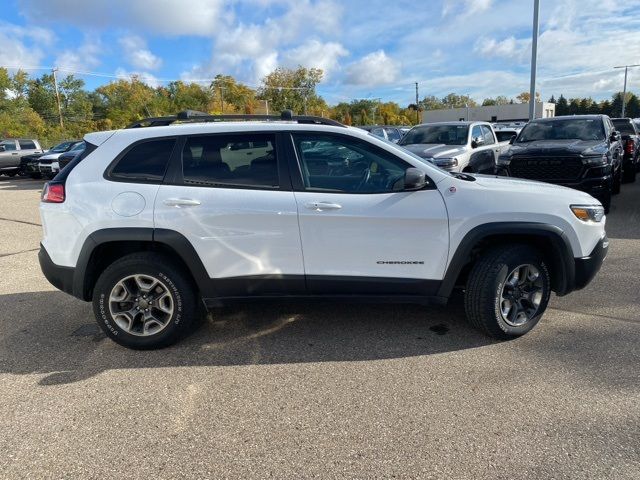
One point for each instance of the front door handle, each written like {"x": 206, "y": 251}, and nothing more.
{"x": 319, "y": 206}
{"x": 181, "y": 202}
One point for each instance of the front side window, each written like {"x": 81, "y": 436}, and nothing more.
{"x": 436, "y": 134}
{"x": 476, "y": 133}
{"x": 393, "y": 134}
{"x": 145, "y": 161}
{"x": 342, "y": 164}
{"x": 27, "y": 145}
{"x": 9, "y": 145}
{"x": 246, "y": 160}
{"x": 487, "y": 135}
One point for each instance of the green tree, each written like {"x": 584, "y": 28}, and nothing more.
{"x": 291, "y": 89}
{"x": 127, "y": 101}
{"x": 456, "y": 101}
{"x": 562, "y": 107}
{"x": 431, "y": 102}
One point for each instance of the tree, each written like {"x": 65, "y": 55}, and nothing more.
{"x": 633, "y": 107}
{"x": 616, "y": 105}
{"x": 562, "y": 107}
{"x": 127, "y": 100}
{"x": 525, "y": 96}
{"x": 431, "y": 102}
{"x": 552, "y": 99}
{"x": 291, "y": 89}
{"x": 499, "y": 100}
{"x": 228, "y": 95}
{"x": 456, "y": 101}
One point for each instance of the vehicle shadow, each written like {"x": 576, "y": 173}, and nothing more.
{"x": 21, "y": 183}
{"x": 624, "y": 217}
{"x": 67, "y": 346}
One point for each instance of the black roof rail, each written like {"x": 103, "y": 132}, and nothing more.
{"x": 194, "y": 116}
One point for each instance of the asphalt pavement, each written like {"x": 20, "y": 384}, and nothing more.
{"x": 323, "y": 390}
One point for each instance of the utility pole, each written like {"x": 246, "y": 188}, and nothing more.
{"x": 534, "y": 59}
{"x": 624, "y": 92}
{"x": 417, "y": 106}
{"x": 55, "y": 84}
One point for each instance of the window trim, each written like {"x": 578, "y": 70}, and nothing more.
{"x": 490, "y": 132}
{"x": 295, "y": 165}
{"x": 107, "y": 175}
{"x": 174, "y": 175}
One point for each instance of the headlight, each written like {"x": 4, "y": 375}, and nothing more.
{"x": 588, "y": 213}
{"x": 596, "y": 160}
{"x": 446, "y": 162}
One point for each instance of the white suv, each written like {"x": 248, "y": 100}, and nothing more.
{"x": 151, "y": 223}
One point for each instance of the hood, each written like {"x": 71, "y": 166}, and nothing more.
{"x": 551, "y": 147}
{"x": 434, "y": 150}
{"x": 519, "y": 185}
{"x": 50, "y": 156}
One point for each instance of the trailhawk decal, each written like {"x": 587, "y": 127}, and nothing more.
{"x": 400, "y": 262}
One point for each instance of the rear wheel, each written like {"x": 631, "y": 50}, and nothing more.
{"x": 507, "y": 291}
{"x": 143, "y": 301}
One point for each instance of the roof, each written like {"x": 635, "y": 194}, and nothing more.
{"x": 455, "y": 122}
{"x": 569, "y": 117}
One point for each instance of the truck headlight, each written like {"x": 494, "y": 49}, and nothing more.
{"x": 446, "y": 162}
{"x": 596, "y": 160}
{"x": 588, "y": 213}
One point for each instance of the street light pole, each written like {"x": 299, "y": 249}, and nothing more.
{"x": 624, "y": 92}
{"x": 534, "y": 59}
{"x": 55, "y": 84}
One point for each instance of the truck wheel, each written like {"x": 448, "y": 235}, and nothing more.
{"x": 617, "y": 182}
{"x": 507, "y": 291}
{"x": 605, "y": 200}
{"x": 142, "y": 301}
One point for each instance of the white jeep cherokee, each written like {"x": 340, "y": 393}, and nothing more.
{"x": 151, "y": 223}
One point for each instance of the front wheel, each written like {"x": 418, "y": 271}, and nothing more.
{"x": 507, "y": 291}
{"x": 143, "y": 301}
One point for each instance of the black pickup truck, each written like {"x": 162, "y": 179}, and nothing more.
{"x": 584, "y": 152}
{"x": 631, "y": 138}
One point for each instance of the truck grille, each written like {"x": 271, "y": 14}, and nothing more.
{"x": 546, "y": 168}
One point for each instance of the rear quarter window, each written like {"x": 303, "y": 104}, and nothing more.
{"x": 143, "y": 162}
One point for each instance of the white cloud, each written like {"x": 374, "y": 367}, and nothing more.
{"x": 82, "y": 58}
{"x": 23, "y": 46}
{"x": 137, "y": 54}
{"x": 465, "y": 7}
{"x": 510, "y": 48}
{"x": 144, "y": 77}
{"x": 373, "y": 69}
{"x": 170, "y": 17}
{"x": 315, "y": 54}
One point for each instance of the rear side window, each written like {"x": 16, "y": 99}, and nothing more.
{"x": 27, "y": 145}
{"x": 624, "y": 126}
{"x": 146, "y": 161}
{"x": 247, "y": 160}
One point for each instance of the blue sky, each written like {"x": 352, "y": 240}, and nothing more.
{"x": 368, "y": 49}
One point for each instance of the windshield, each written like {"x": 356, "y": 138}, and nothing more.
{"x": 565, "y": 129}
{"x": 397, "y": 146}
{"x": 62, "y": 147}
{"x": 624, "y": 126}
{"x": 437, "y": 134}
{"x": 78, "y": 146}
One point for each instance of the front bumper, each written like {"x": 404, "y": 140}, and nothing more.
{"x": 59, "y": 277}
{"x": 587, "y": 267}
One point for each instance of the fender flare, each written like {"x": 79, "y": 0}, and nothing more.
{"x": 564, "y": 264}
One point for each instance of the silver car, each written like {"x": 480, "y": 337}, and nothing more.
{"x": 455, "y": 146}
{"x": 12, "y": 150}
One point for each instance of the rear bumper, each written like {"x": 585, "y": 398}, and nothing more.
{"x": 59, "y": 277}
{"x": 587, "y": 267}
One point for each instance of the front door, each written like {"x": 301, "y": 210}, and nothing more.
{"x": 361, "y": 234}
{"x": 226, "y": 198}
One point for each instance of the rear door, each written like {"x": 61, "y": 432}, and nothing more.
{"x": 361, "y": 234}
{"x": 10, "y": 156}
{"x": 229, "y": 194}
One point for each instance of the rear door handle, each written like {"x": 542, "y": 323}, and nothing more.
{"x": 181, "y": 202}
{"x": 323, "y": 206}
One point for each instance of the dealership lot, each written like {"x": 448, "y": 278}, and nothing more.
{"x": 324, "y": 390}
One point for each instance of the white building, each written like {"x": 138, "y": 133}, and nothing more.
{"x": 516, "y": 112}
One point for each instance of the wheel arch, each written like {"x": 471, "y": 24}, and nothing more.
{"x": 103, "y": 247}
{"x": 550, "y": 240}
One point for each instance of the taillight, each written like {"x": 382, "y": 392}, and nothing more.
{"x": 53, "y": 193}
{"x": 629, "y": 146}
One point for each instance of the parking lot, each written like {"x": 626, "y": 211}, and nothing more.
{"x": 322, "y": 390}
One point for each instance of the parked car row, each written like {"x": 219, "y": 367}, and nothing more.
{"x": 592, "y": 153}
{"x": 35, "y": 162}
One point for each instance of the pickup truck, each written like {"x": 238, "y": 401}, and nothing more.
{"x": 455, "y": 146}
{"x": 630, "y": 133}
{"x": 12, "y": 150}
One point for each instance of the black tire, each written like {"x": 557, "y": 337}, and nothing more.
{"x": 171, "y": 279}
{"x": 629, "y": 174}
{"x": 617, "y": 182}
{"x": 487, "y": 279}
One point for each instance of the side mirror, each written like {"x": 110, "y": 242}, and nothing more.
{"x": 615, "y": 136}
{"x": 512, "y": 140}
{"x": 476, "y": 142}
{"x": 2, "y": 148}
{"x": 414, "y": 179}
